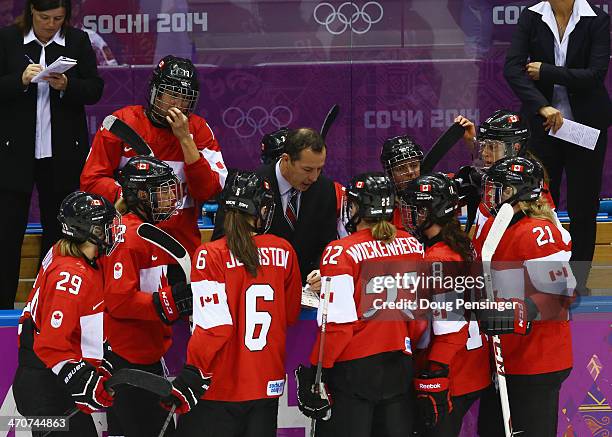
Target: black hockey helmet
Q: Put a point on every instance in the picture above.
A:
(373, 197)
(251, 194)
(401, 159)
(503, 134)
(174, 83)
(426, 200)
(273, 145)
(150, 188)
(525, 176)
(90, 217)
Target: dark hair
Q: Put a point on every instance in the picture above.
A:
(238, 229)
(457, 240)
(24, 21)
(303, 138)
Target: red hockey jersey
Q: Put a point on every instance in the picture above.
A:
(240, 321)
(201, 180)
(457, 343)
(66, 306)
(532, 260)
(135, 270)
(354, 328)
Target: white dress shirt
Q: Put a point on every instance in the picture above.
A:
(284, 188)
(43, 148)
(560, 99)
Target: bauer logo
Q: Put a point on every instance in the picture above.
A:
(276, 388)
(118, 270)
(56, 319)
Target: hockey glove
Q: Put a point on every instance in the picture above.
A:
(187, 389)
(315, 404)
(513, 320)
(86, 386)
(106, 368)
(173, 302)
(432, 395)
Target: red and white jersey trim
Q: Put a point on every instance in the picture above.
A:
(341, 307)
(210, 308)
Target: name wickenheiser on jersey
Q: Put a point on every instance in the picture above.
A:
(450, 305)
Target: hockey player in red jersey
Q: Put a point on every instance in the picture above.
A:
(176, 135)
(60, 330)
(246, 291)
(141, 303)
(367, 351)
(454, 368)
(401, 160)
(530, 267)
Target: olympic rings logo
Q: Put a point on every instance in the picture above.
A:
(348, 14)
(256, 120)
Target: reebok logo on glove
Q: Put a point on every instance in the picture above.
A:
(429, 386)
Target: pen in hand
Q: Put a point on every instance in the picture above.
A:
(29, 59)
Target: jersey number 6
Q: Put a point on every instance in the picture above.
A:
(255, 319)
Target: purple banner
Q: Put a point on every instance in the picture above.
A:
(584, 407)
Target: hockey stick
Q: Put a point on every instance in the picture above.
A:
(500, 224)
(166, 242)
(441, 147)
(167, 422)
(136, 378)
(318, 385)
(329, 119)
(125, 133)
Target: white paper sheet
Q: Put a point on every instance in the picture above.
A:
(577, 133)
(61, 65)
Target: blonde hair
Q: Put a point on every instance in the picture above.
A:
(538, 209)
(69, 248)
(382, 230)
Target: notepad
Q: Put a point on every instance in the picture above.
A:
(577, 133)
(61, 65)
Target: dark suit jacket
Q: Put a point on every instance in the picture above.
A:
(588, 57)
(316, 223)
(69, 136)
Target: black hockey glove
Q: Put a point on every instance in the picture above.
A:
(432, 394)
(315, 404)
(106, 367)
(516, 319)
(86, 386)
(173, 302)
(187, 389)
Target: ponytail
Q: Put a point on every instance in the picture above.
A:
(457, 240)
(238, 230)
(384, 231)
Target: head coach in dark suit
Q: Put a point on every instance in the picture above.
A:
(43, 129)
(305, 212)
(557, 65)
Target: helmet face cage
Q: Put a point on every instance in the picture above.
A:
(265, 213)
(492, 192)
(165, 96)
(413, 216)
(165, 199)
(113, 234)
(402, 171)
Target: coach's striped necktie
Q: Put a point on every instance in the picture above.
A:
(292, 208)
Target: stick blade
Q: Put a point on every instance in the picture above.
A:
(498, 228)
(139, 378)
(125, 133)
(329, 119)
(441, 147)
(166, 242)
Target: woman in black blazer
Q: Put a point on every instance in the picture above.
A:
(54, 161)
(575, 87)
